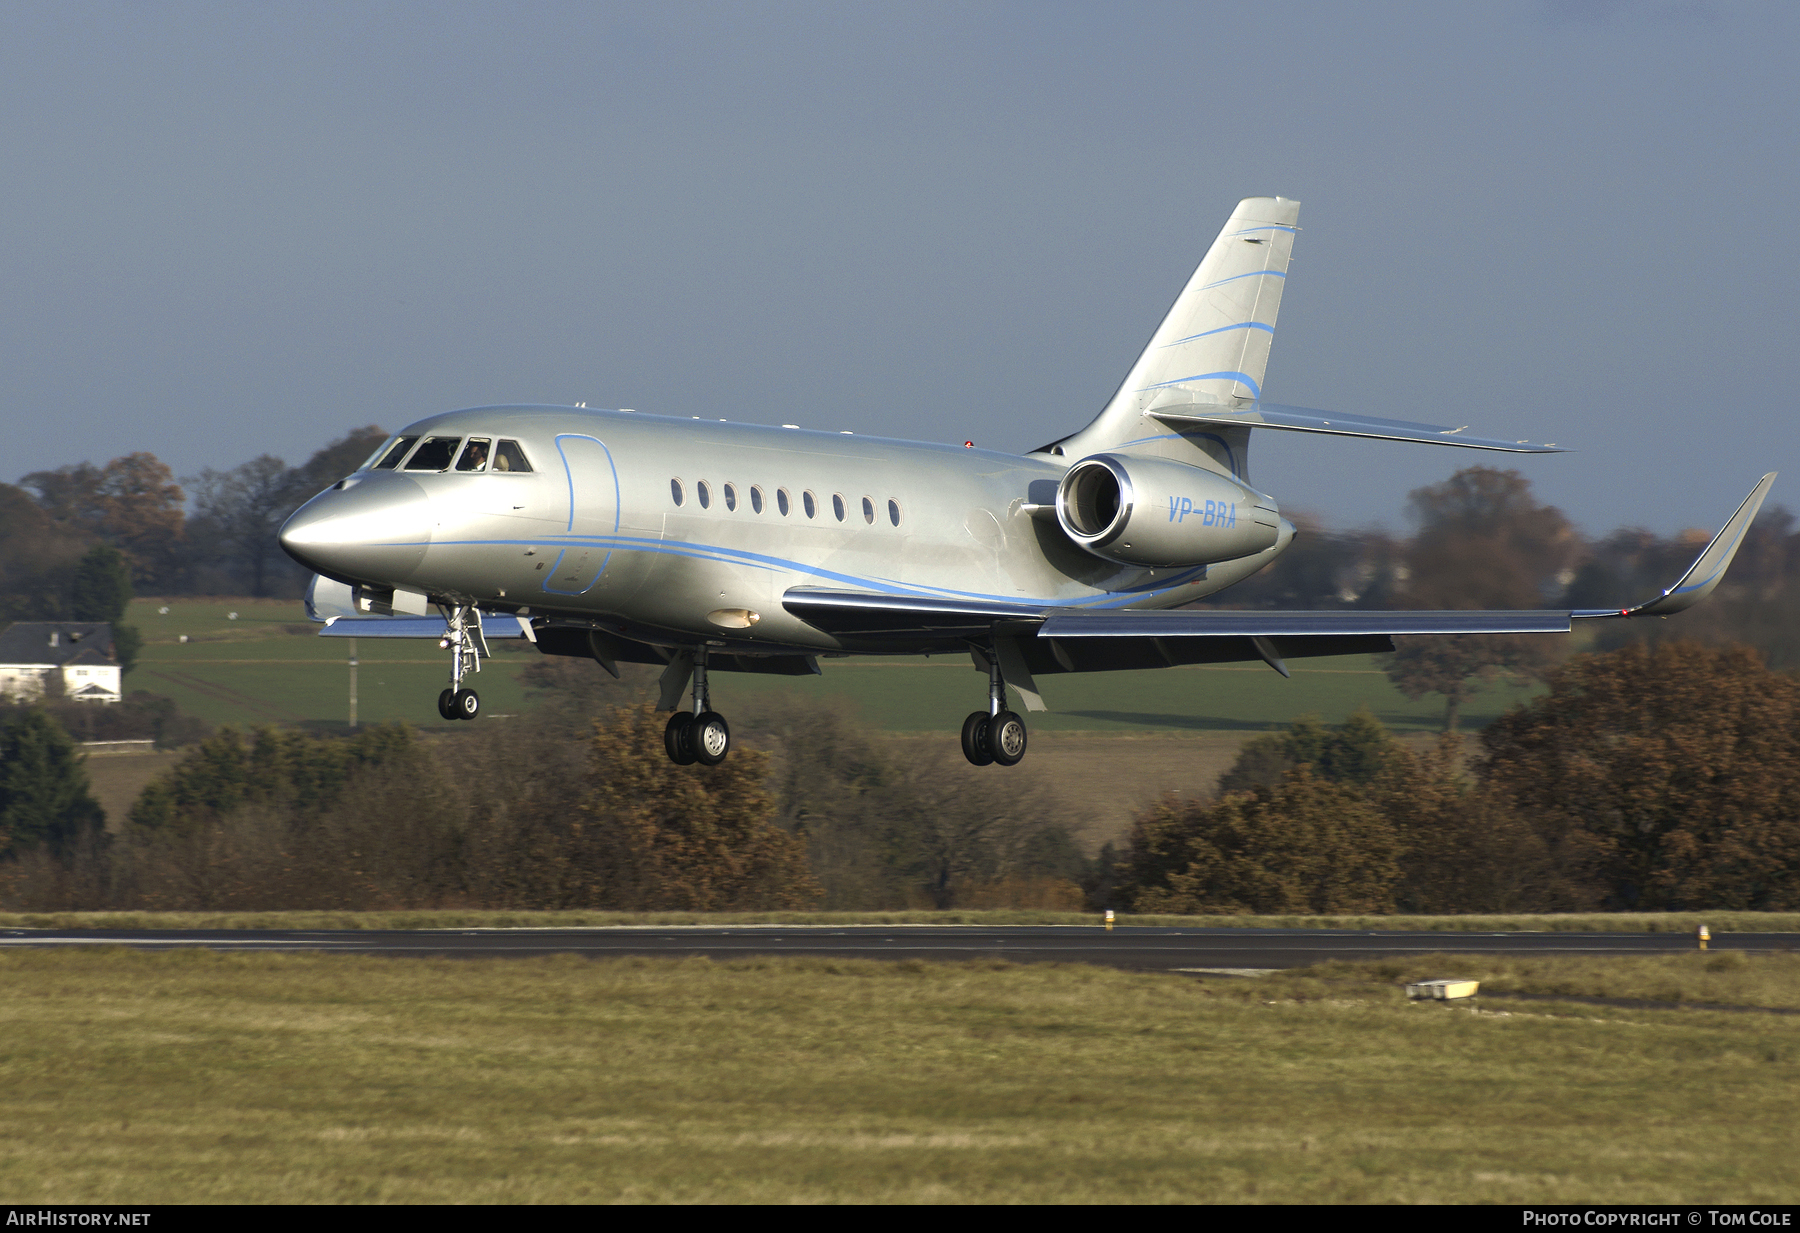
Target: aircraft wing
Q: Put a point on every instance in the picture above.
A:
(1236, 634)
(1338, 424)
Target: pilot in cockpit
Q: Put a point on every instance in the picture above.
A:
(474, 456)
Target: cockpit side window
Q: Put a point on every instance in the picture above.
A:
(434, 455)
(474, 455)
(395, 453)
(509, 457)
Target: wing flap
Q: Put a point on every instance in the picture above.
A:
(1250, 623)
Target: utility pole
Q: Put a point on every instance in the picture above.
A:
(352, 684)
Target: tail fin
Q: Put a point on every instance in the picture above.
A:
(1213, 346)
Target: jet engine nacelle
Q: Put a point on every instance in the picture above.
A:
(1149, 511)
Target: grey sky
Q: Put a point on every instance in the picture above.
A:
(238, 228)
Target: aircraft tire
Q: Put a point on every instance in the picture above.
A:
(444, 704)
(1006, 738)
(465, 704)
(975, 739)
(678, 739)
(711, 738)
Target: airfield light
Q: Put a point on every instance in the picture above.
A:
(968, 445)
(1109, 920)
(1704, 935)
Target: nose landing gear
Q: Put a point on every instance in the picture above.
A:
(462, 638)
(995, 735)
(701, 735)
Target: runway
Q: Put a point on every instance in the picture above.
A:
(1124, 947)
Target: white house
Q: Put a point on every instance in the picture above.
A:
(78, 654)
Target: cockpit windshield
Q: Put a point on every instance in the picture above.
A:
(394, 453)
(434, 455)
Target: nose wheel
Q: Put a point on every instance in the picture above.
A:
(700, 735)
(462, 638)
(996, 735)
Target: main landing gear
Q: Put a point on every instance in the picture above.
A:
(996, 734)
(462, 638)
(700, 735)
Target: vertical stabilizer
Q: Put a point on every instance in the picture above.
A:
(1213, 346)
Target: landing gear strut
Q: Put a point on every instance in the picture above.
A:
(462, 638)
(995, 735)
(701, 735)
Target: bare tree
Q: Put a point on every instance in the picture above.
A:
(242, 509)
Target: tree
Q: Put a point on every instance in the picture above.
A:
(1303, 845)
(44, 797)
(132, 503)
(242, 510)
(1484, 542)
(37, 559)
(225, 772)
(1355, 753)
(102, 586)
(686, 838)
(101, 591)
(1667, 776)
(1466, 848)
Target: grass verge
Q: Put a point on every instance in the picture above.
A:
(1594, 922)
(197, 1077)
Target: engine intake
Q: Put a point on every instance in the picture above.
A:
(1149, 511)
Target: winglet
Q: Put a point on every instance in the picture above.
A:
(1708, 568)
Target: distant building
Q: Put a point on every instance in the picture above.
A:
(78, 655)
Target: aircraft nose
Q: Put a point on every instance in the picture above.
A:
(376, 530)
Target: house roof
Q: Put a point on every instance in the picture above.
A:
(56, 642)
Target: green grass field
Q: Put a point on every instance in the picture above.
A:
(195, 1077)
(269, 666)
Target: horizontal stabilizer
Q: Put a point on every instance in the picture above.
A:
(1332, 423)
(1708, 569)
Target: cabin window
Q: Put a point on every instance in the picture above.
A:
(812, 506)
(731, 497)
(894, 512)
(781, 501)
(474, 455)
(703, 490)
(509, 457)
(837, 505)
(395, 453)
(868, 511)
(434, 455)
(756, 498)
(675, 490)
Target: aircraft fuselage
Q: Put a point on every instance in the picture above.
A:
(682, 529)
